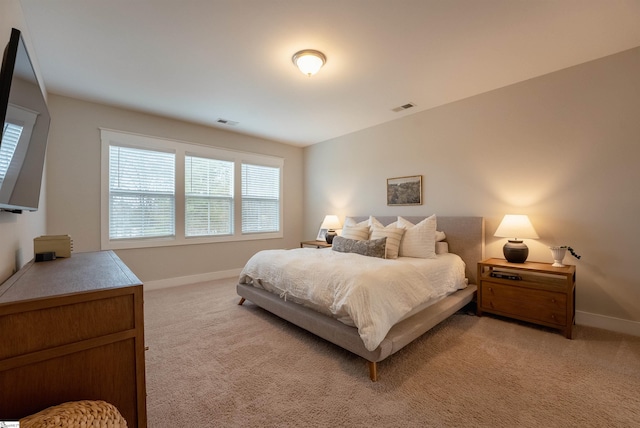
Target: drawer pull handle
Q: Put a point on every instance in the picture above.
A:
(553, 316)
(553, 300)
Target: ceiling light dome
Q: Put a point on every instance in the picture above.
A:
(309, 61)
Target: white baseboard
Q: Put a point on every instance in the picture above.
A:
(608, 323)
(191, 279)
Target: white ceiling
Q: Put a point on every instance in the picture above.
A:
(204, 60)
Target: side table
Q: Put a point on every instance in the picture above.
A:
(534, 292)
(317, 244)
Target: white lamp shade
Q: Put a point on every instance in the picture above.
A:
(309, 61)
(331, 222)
(516, 226)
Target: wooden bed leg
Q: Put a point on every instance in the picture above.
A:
(373, 371)
(241, 301)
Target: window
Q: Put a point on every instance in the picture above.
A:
(157, 192)
(209, 196)
(260, 198)
(141, 193)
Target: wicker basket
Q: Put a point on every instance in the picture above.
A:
(76, 414)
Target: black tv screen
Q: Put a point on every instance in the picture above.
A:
(25, 129)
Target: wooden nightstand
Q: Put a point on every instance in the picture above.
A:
(317, 244)
(543, 294)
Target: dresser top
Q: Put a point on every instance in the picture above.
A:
(82, 272)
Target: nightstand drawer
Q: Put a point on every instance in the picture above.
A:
(525, 303)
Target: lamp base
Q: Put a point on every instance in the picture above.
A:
(515, 251)
(330, 235)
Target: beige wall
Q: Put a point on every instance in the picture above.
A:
(17, 230)
(563, 148)
(73, 168)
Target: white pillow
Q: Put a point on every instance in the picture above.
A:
(350, 222)
(442, 247)
(375, 222)
(393, 235)
(360, 233)
(419, 239)
(440, 236)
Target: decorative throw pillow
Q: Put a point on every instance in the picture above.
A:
(350, 223)
(440, 236)
(355, 232)
(419, 239)
(393, 235)
(370, 248)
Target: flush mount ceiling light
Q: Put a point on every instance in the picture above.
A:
(309, 61)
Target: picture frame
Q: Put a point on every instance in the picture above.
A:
(404, 190)
(322, 235)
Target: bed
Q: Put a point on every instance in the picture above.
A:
(464, 237)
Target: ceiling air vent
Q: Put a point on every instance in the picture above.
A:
(403, 107)
(227, 122)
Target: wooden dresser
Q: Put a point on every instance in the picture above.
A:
(534, 292)
(72, 329)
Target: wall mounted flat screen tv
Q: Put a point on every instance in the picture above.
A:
(25, 129)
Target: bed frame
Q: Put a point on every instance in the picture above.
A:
(465, 236)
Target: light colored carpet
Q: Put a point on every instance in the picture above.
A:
(212, 363)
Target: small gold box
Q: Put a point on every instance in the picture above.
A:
(62, 245)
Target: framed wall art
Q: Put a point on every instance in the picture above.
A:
(404, 190)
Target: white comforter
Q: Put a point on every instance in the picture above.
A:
(369, 293)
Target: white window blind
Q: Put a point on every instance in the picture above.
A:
(208, 196)
(260, 198)
(10, 137)
(141, 193)
(157, 192)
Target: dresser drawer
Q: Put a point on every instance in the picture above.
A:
(58, 325)
(524, 303)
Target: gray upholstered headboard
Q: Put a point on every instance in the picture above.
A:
(465, 236)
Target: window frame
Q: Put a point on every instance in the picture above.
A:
(180, 148)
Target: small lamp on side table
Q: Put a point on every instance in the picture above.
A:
(516, 227)
(331, 223)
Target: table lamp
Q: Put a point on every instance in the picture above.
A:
(516, 227)
(331, 223)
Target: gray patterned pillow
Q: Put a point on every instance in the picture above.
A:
(371, 248)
